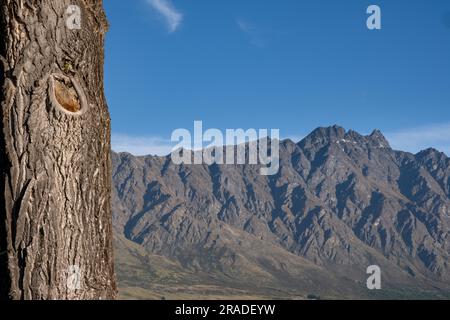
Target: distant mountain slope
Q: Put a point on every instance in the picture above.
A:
(340, 202)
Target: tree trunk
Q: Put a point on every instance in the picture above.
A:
(55, 214)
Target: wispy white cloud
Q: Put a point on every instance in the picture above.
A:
(141, 145)
(411, 139)
(245, 26)
(172, 16)
(416, 139)
(152, 145)
(252, 32)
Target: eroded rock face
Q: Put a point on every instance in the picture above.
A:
(341, 200)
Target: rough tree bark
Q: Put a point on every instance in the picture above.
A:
(55, 215)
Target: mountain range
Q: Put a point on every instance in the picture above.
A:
(340, 202)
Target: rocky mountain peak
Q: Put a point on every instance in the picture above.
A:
(430, 153)
(327, 133)
(323, 136)
(340, 201)
(379, 139)
(338, 135)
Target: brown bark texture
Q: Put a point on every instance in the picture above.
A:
(55, 214)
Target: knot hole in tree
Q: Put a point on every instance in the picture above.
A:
(67, 94)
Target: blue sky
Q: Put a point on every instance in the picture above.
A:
(288, 64)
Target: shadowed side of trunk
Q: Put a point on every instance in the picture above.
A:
(55, 233)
